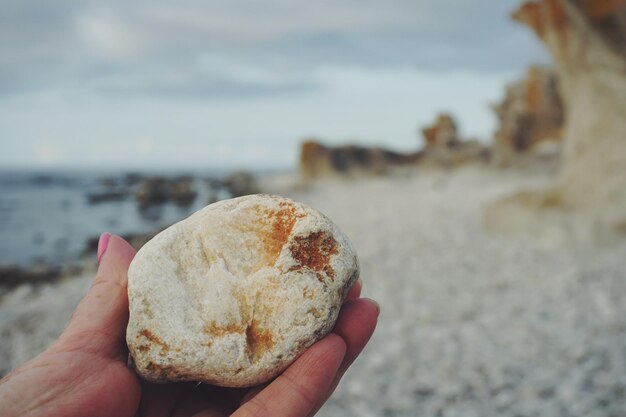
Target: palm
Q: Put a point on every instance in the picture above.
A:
(85, 372)
(188, 400)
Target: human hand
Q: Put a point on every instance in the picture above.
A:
(85, 373)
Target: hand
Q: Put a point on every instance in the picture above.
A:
(84, 373)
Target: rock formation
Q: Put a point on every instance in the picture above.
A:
(530, 116)
(444, 148)
(13, 275)
(158, 190)
(318, 160)
(241, 183)
(442, 134)
(587, 39)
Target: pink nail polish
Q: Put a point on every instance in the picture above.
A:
(103, 242)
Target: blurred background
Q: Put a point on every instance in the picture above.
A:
(475, 152)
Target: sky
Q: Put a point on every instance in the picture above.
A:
(239, 84)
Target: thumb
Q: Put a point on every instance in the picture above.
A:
(99, 322)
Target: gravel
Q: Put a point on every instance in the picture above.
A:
(471, 324)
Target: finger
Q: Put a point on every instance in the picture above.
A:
(354, 293)
(99, 322)
(303, 386)
(355, 325)
(355, 290)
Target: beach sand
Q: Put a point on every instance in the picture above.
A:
(471, 324)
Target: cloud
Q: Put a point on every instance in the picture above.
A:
(158, 49)
(108, 36)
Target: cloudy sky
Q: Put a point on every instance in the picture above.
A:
(218, 84)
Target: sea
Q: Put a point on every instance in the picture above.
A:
(47, 217)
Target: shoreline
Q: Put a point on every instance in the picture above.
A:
(470, 324)
(281, 182)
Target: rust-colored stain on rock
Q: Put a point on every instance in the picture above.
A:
(258, 341)
(602, 9)
(155, 340)
(556, 14)
(314, 252)
(281, 222)
(540, 15)
(268, 232)
(213, 329)
(531, 14)
(534, 93)
(307, 293)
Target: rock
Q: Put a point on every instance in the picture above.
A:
(158, 190)
(444, 148)
(13, 275)
(318, 160)
(241, 183)
(465, 152)
(587, 40)
(182, 190)
(153, 191)
(107, 195)
(530, 117)
(443, 133)
(236, 292)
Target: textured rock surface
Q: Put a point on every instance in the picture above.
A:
(233, 294)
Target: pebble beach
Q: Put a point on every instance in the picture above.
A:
(471, 324)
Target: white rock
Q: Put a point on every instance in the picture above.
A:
(235, 293)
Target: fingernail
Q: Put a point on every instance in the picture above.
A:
(103, 242)
(375, 304)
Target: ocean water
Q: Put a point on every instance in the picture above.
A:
(47, 217)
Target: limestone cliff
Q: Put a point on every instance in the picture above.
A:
(587, 39)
